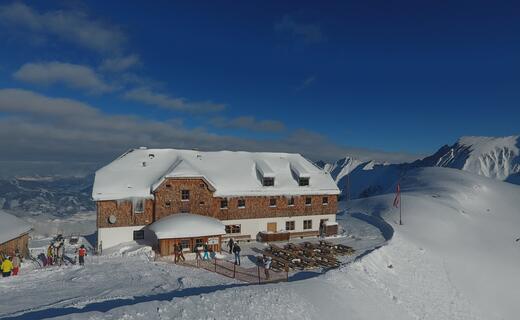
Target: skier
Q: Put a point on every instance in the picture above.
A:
(236, 251)
(82, 252)
(16, 264)
(267, 266)
(230, 244)
(7, 267)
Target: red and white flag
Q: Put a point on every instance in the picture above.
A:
(397, 199)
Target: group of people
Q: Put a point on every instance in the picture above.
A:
(56, 254)
(10, 265)
(178, 252)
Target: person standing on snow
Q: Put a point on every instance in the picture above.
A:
(230, 245)
(16, 264)
(206, 252)
(7, 267)
(82, 252)
(181, 254)
(236, 251)
(267, 266)
(49, 255)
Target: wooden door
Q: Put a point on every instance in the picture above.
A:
(271, 227)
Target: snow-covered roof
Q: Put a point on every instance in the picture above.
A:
(12, 227)
(299, 170)
(187, 225)
(231, 173)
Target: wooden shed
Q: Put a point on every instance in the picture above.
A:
(188, 230)
(14, 235)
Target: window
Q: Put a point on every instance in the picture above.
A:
(289, 225)
(290, 202)
(185, 195)
(325, 201)
(303, 182)
(223, 204)
(233, 228)
(201, 203)
(241, 203)
(168, 185)
(139, 206)
(268, 182)
(185, 244)
(308, 201)
(202, 185)
(199, 243)
(272, 202)
(307, 224)
(139, 235)
(167, 203)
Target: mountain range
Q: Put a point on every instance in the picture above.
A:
(492, 157)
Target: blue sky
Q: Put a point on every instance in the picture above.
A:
(372, 78)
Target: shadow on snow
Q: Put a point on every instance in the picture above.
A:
(104, 306)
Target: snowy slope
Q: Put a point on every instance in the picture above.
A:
(455, 257)
(493, 157)
(459, 232)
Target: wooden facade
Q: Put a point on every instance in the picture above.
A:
(20, 244)
(168, 200)
(166, 246)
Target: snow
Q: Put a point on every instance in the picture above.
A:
(229, 173)
(11, 227)
(493, 157)
(455, 257)
(187, 225)
(457, 245)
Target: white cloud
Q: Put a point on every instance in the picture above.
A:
(147, 96)
(120, 64)
(66, 130)
(248, 123)
(310, 33)
(72, 75)
(69, 25)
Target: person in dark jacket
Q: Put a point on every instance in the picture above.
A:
(236, 251)
(230, 244)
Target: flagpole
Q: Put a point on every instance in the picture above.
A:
(400, 205)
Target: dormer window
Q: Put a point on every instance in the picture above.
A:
(303, 182)
(265, 173)
(268, 182)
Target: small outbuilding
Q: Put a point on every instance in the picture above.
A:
(14, 235)
(188, 230)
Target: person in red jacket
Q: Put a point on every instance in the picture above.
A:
(82, 252)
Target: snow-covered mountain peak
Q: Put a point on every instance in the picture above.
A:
(492, 157)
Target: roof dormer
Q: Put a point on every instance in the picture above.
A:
(265, 173)
(300, 173)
